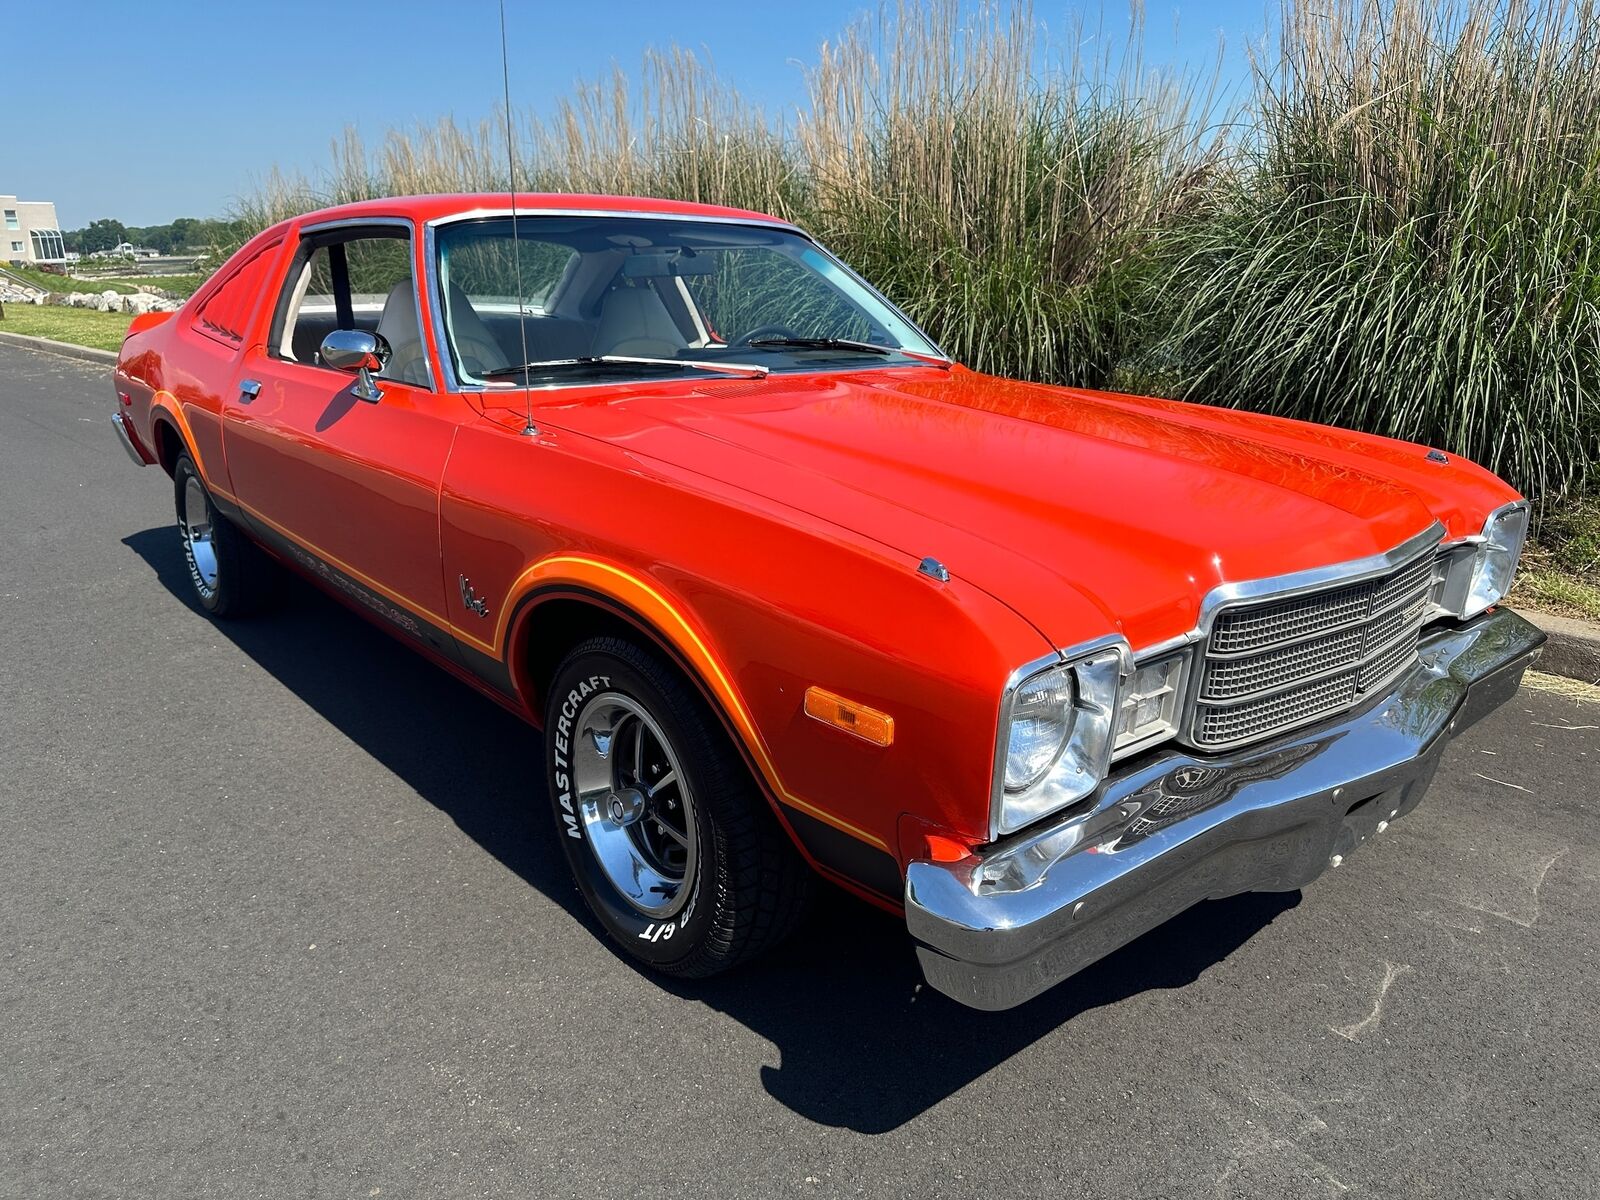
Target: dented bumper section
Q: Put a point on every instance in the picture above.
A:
(1163, 834)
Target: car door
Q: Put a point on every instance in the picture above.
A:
(348, 487)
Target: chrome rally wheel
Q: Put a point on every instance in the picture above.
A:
(637, 808)
(671, 842)
(197, 527)
(229, 574)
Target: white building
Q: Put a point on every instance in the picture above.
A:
(29, 232)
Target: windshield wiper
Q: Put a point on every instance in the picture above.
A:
(744, 370)
(831, 343)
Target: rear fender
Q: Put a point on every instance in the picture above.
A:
(164, 406)
(147, 321)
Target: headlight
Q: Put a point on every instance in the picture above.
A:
(1055, 736)
(1041, 721)
(1474, 576)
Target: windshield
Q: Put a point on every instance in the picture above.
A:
(555, 299)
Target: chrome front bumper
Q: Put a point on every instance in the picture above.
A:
(1180, 827)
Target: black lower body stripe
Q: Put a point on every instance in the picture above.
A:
(849, 856)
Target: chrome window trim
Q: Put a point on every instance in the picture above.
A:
(397, 222)
(447, 370)
(504, 210)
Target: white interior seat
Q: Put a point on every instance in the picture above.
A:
(633, 320)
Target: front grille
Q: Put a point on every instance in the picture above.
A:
(1256, 718)
(1274, 664)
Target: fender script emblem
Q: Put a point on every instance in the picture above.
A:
(471, 599)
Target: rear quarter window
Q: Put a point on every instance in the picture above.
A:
(224, 314)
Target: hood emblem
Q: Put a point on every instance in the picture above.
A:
(1438, 456)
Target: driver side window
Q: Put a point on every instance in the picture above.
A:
(355, 279)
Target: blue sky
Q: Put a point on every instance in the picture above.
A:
(219, 91)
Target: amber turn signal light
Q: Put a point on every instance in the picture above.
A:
(868, 724)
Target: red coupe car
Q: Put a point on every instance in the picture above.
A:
(791, 593)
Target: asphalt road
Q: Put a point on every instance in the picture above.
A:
(280, 916)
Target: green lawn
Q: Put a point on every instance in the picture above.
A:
(60, 283)
(1556, 592)
(80, 326)
(178, 285)
(1561, 573)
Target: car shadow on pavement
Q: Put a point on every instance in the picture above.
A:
(864, 1044)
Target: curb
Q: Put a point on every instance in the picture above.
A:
(65, 349)
(1573, 649)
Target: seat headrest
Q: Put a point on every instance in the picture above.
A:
(633, 320)
(398, 326)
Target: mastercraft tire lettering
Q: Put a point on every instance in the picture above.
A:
(229, 574)
(563, 749)
(670, 841)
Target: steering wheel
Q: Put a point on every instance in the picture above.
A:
(761, 331)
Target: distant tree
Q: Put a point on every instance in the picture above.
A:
(186, 235)
(103, 234)
(147, 235)
(186, 232)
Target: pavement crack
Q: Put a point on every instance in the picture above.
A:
(1351, 1033)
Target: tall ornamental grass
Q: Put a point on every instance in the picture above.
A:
(1408, 244)
(1393, 228)
(1013, 201)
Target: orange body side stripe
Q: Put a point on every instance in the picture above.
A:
(604, 578)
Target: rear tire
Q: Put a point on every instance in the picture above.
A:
(672, 844)
(229, 574)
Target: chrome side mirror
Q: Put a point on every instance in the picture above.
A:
(360, 352)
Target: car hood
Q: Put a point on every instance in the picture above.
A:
(1055, 500)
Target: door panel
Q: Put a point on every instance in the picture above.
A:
(353, 484)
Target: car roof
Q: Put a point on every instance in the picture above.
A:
(432, 208)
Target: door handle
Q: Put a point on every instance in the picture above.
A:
(249, 389)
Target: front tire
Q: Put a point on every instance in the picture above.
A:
(671, 842)
(230, 576)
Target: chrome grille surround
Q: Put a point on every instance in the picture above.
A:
(1277, 654)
